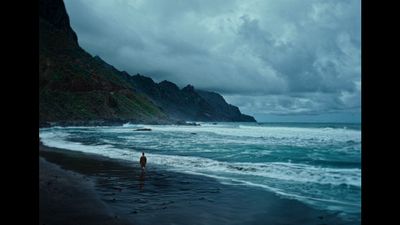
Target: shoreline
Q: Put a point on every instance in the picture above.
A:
(167, 197)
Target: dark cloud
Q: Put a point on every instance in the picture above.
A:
(268, 57)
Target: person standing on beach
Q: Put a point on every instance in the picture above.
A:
(143, 161)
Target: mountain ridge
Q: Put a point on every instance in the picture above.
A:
(75, 86)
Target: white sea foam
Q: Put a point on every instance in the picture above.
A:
(57, 139)
(280, 171)
(318, 134)
(239, 135)
(233, 181)
(275, 170)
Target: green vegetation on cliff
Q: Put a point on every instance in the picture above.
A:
(75, 86)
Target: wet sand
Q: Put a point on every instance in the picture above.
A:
(69, 198)
(91, 189)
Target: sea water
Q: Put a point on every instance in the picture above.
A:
(318, 164)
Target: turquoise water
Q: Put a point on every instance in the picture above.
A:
(318, 164)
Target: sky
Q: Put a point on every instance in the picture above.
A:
(277, 60)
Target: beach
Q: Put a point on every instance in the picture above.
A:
(66, 197)
(83, 188)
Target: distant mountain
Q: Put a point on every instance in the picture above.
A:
(188, 103)
(74, 86)
(222, 109)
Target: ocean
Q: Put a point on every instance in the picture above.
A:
(318, 164)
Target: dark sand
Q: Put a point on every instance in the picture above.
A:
(100, 190)
(70, 198)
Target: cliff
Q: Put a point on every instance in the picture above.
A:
(74, 86)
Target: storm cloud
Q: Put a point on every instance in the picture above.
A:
(269, 57)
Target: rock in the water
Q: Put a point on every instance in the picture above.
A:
(143, 129)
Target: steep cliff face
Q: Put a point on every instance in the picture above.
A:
(188, 103)
(54, 13)
(225, 111)
(74, 86)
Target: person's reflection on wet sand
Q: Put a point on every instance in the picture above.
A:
(141, 180)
